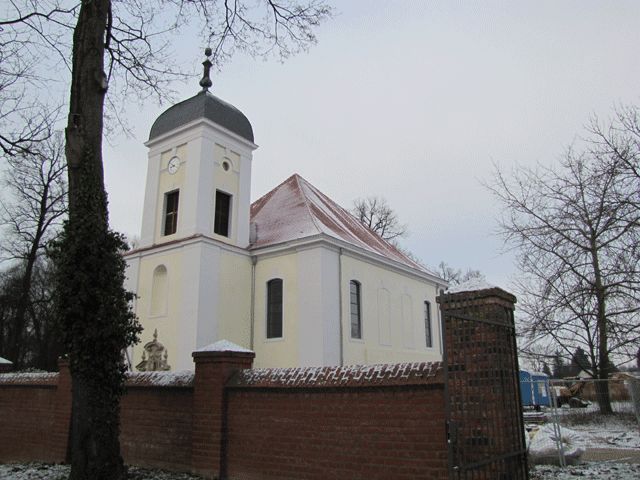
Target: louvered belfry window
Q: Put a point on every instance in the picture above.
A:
(171, 212)
(222, 214)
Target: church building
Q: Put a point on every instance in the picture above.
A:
(293, 276)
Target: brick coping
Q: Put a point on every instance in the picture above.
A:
(400, 374)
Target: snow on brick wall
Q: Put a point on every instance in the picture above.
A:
(349, 376)
(28, 378)
(182, 378)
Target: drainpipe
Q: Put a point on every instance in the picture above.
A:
(254, 260)
(440, 291)
(340, 307)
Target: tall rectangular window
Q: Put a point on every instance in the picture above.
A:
(356, 314)
(222, 214)
(274, 308)
(171, 212)
(427, 325)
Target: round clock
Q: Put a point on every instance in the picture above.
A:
(173, 165)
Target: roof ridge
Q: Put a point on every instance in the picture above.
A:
(306, 200)
(358, 223)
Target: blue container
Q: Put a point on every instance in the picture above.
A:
(534, 389)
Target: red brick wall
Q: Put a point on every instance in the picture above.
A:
(26, 421)
(35, 411)
(156, 427)
(335, 423)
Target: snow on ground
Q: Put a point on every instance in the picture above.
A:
(609, 433)
(604, 434)
(596, 471)
(598, 431)
(41, 471)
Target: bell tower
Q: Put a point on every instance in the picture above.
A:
(192, 270)
(199, 171)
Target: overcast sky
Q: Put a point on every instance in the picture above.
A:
(414, 101)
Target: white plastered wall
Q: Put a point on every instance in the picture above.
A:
(234, 293)
(277, 352)
(393, 324)
(319, 319)
(169, 328)
(311, 314)
(208, 298)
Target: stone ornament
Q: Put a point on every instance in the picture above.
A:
(154, 356)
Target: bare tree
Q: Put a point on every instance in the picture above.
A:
(119, 51)
(456, 276)
(25, 119)
(576, 230)
(31, 214)
(40, 340)
(618, 143)
(375, 213)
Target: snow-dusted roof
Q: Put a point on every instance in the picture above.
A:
(5, 361)
(295, 209)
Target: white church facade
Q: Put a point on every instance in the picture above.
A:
(293, 276)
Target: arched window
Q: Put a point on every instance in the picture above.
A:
(356, 309)
(159, 291)
(427, 325)
(274, 308)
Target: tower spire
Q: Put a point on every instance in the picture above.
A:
(205, 82)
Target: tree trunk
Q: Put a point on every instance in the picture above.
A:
(94, 357)
(604, 365)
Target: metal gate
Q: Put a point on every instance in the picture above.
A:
(484, 413)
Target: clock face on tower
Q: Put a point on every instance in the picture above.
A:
(174, 165)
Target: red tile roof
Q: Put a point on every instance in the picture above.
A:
(295, 209)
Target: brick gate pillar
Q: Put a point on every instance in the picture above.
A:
(482, 384)
(59, 438)
(214, 365)
(492, 303)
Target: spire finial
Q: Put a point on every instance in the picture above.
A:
(155, 335)
(205, 83)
